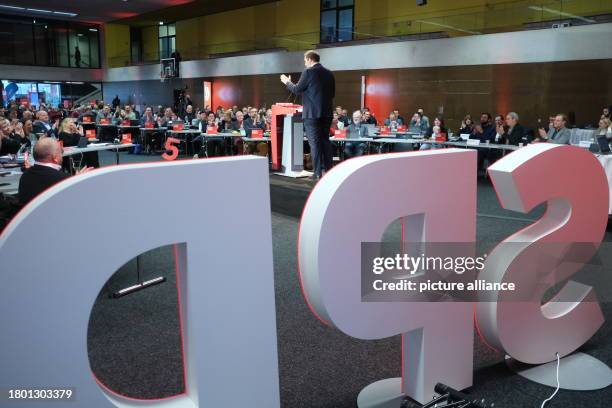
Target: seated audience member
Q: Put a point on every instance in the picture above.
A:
(214, 145)
(512, 132)
(253, 122)
(190, 116)
(151, 139)
(89, 113)
(28, 130)
(120, 117)
(424, 118)
(442, 132)
(392, 121)
(227, 124)
(268, 119)
(399, 117)
(605, 113)
(27, 115)
(342, 116)
(467, 126)
(129, 113)
(356, 130)
(24, 136)
(335, 124)
(211, 121)
(105, 113)
(136, 113)
(368, 118)
(10, 142)
(417, 125)
(148, 119)
(558, 133)
(42, 125)
(604, 128)
(485, 132)
(46, 171)
(168, 116)
(70, 135)
(436, 132)
(236, 143)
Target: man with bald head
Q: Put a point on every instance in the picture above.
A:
(46, 171)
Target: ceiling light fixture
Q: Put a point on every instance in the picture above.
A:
(161, 23)
(64, 13)
(37, 11)
(12, 7)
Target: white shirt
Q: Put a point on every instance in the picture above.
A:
(52, 165)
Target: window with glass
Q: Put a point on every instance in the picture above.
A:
(337, 20)
(32, 41)
(51, 93)
(167, 40)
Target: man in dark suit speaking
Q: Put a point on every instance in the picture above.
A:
(318, 88)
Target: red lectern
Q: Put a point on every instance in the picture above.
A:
(279, 111)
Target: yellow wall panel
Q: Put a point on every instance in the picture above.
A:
(117, 45)
(295, 24)
(150, 43)
(188, 38)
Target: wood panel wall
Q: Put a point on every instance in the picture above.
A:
(532, 90)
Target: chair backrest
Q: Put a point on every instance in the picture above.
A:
(579, 135)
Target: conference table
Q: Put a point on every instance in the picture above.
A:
(9, 181)
(606, 163)
(97, 147)
(184, 135)
(9, 178)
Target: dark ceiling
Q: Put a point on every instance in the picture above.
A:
(193, 9)
(134, 12)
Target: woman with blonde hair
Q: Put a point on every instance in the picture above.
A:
(604, 128)
(70, 134)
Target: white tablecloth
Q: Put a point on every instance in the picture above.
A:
(606, 162)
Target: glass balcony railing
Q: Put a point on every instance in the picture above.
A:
(492, 18)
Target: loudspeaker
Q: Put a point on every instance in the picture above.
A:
(421, 2)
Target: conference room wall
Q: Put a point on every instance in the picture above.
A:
(532, 90)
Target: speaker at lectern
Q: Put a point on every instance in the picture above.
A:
(287, 140)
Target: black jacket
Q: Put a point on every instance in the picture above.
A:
(518, 135)
(227, 126)
(249, 125)
(12, 144)
(39, 127)
(69, 139)
(37, 179)
(318, 89)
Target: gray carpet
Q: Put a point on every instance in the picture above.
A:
(134, 342)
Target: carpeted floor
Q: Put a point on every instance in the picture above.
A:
(134, 341)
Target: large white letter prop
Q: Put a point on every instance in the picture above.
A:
(355, 203)
(573, 185)
(52, 273)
